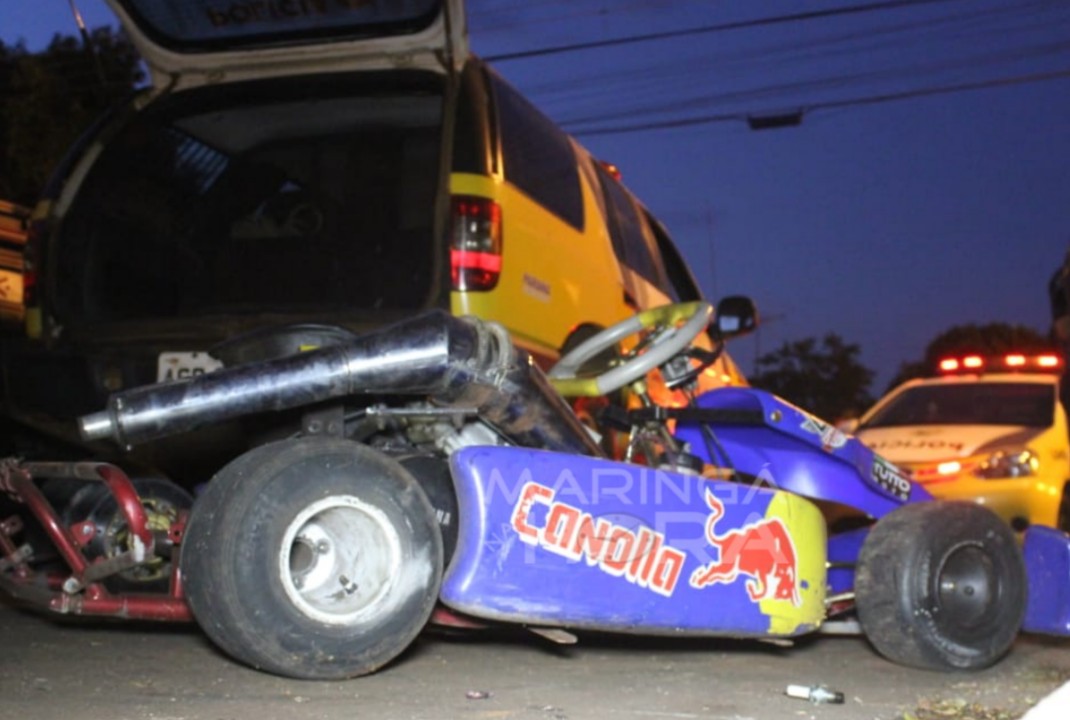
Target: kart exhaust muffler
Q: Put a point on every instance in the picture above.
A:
(455, 362)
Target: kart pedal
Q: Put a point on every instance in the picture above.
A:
(556, 635)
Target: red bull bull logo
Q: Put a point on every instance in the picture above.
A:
(762, 551)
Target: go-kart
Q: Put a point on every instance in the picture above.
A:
(435, 474)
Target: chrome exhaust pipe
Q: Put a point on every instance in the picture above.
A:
(455, 362)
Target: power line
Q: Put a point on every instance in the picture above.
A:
(643, 88)
(720, 27)
(478, 15)
(765, 92)
(831, 104)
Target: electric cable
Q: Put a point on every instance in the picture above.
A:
(720, 27)
(828, 105)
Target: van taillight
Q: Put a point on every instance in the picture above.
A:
(29, 287)
(31, 262)
(475, 243)
(30, 258)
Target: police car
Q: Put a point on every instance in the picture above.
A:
(987, 429)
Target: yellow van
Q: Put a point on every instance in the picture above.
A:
(344, 165)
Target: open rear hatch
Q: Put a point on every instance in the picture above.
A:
(187, 43)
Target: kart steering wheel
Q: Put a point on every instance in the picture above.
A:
(673, 328)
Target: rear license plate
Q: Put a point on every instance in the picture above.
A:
(184, 365)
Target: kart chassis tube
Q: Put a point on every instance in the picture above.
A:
(462, 363)
(80, 593)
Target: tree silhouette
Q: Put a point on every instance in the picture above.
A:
(826, 379)
(48, 99)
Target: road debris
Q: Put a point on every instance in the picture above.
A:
(817, 694)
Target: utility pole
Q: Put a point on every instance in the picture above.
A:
(87, 45)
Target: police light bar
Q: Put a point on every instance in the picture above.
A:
(1012, 362)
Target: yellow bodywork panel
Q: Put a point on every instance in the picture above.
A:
(807, 529)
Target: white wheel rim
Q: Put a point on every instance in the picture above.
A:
(339, 559)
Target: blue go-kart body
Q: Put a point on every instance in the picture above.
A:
(550, 539)
(485, 498)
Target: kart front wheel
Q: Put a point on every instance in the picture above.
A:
(941, 585)
(313, 558)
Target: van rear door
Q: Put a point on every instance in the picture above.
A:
(187, 43)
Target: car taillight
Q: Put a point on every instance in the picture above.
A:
(30, 257)
(31, 261)
(29, 285)
(475, 243)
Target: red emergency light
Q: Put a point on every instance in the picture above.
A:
(1013, 362)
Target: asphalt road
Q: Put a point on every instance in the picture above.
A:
(93, 670)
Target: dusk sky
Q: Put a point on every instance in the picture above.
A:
(897, 208)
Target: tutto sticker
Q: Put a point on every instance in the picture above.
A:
(641, 556)
(889, 478)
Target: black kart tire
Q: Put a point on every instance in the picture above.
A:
(313, 558)
(941, 586)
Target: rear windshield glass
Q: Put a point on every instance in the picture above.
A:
(1028, 404)
(225, 202)
(192, 25)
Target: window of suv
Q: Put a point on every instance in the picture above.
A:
(681, 287)
(626, 231)
(538, 157)
(260, 199)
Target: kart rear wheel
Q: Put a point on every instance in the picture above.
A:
(941, 585)
(313, 558)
